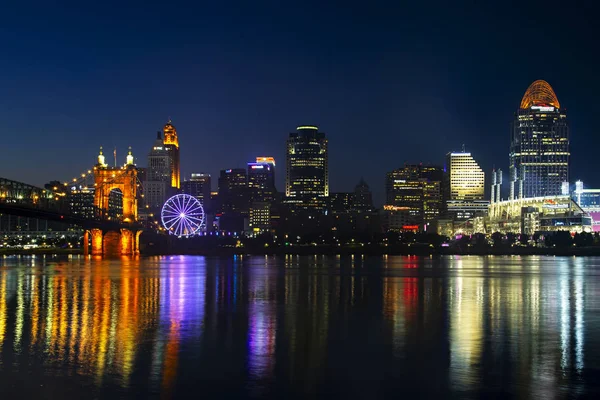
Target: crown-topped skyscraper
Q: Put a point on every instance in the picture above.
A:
(171, 143)
(539, 145)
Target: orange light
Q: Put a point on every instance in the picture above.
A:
(539, 92)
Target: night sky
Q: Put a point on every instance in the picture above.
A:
(387, 83)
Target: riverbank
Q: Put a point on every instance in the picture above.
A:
(383, 250)
(334, 250)
(61, 251)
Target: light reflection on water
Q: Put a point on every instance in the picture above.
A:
(256, 326)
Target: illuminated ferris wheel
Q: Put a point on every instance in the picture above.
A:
(182, 215)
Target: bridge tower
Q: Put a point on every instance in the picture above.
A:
(124, 240)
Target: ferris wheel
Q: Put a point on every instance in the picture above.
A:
(182, 215)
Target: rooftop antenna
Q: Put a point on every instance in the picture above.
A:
(115, 154)
(463, 148)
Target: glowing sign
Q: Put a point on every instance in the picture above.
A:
(257, 167)
(556, 205)
(411, 227)
(394, 208)
(227, 171)
(542, 108)
(266, 160)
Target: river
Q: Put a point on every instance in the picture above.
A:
(300, 327)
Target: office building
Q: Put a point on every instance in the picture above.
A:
(261, 179)
(539, 145)
(260, 217)
(363, 198)
(413, 195)
(199, 186)
(171, 145)
(307, 174)
(158, 176)
(81, 202)
(233, 193)
(465, 187)
(496, 186)
(466, 180)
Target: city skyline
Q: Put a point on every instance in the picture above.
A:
(412, 92)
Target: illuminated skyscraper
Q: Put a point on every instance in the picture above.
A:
(171, 144)
(416, 192)
(261, 179)
(307, 174)
(466, 180)
(539, 146)
(465, 186)
(158, 175)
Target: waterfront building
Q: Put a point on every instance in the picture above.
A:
(363, 198)
(465, 187)
(414, 195)
(261, 179)
(199, 186)
(171, 145)
(157, 185)
(307, 173)
(233, 191)
(538, 214)
(81, 202)
(260, 217)
(496, 185)
(539, 146)
(589, 201)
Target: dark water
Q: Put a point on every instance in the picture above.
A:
(300, 327)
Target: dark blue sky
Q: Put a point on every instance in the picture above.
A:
(388, 83)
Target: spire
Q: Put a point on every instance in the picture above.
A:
(129, 157)
(101, 158)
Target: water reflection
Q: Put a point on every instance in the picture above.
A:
(268, 327)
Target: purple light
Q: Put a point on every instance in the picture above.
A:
(182, 215)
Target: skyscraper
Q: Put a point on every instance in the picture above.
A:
(233, 193)
(539, 145)
(307, 174)
(466, 180)
(158, 175)
(416, 192)
(199, 186)
(261, 180)
(465, 186)
(171, 144)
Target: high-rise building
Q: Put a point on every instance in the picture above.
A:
(81, 202)
(363, 198)
(233, 191)
(496, 185)
(415, 191)
(158, 176)
(539, 145)
(465, 186)
(466, 180)
(199, 186)
(260, 216)
(307, 174)
(261, 179)
(171, 144)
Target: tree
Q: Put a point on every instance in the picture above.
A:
(497, 239)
